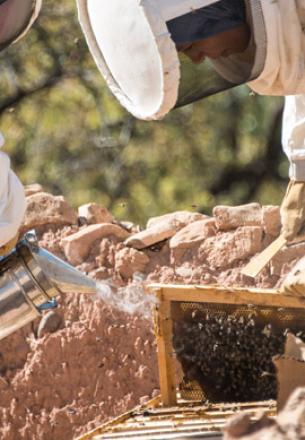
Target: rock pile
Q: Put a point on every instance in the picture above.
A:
(62, 377)
(183, 246)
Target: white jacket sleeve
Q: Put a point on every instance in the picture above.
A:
(12, 200)
(293, 135)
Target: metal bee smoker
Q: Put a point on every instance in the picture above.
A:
(30, 280)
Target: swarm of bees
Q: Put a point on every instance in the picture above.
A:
(229, 356)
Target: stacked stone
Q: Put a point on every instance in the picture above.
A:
(182, 247)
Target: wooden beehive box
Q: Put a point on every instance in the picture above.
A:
(182, 412)
(176, 303)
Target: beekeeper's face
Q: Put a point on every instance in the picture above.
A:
(220, 45)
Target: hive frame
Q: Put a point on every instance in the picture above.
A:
(154, 422)
(168, 294)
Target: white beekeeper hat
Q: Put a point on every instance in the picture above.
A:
(134, 45)
(16, 18)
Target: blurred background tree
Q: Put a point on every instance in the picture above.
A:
(66, 131)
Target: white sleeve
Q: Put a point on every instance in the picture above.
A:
(12, 199)
(293, 135)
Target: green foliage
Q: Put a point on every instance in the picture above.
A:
(65, 130)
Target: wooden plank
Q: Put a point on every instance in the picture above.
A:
(258, 263)
(188, 409)
(170, 425)
(192, 417)
(220, 295)
(164, 335)
(190, 287)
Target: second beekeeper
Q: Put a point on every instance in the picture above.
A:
(156, 55)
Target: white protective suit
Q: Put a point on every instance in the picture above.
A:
(12, 200)
(141, 63)
(284, 74)
(16, 18)
(293, 135)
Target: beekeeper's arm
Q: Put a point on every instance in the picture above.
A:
(293, 205)
(16, 18)
(12, 203)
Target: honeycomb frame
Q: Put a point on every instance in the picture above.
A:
(269, 303)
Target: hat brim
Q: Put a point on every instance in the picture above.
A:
(134, 52)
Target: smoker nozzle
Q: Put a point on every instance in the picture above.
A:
(64, 277)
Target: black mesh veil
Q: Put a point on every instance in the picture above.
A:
(210, 77)
(195, 31)
(199, 81)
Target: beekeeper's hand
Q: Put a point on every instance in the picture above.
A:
(6, 248)
(293, 212)
(294, 283)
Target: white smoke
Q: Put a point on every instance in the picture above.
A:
(132, 299)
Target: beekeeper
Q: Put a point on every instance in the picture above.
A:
(156, 55)
(16, 18)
